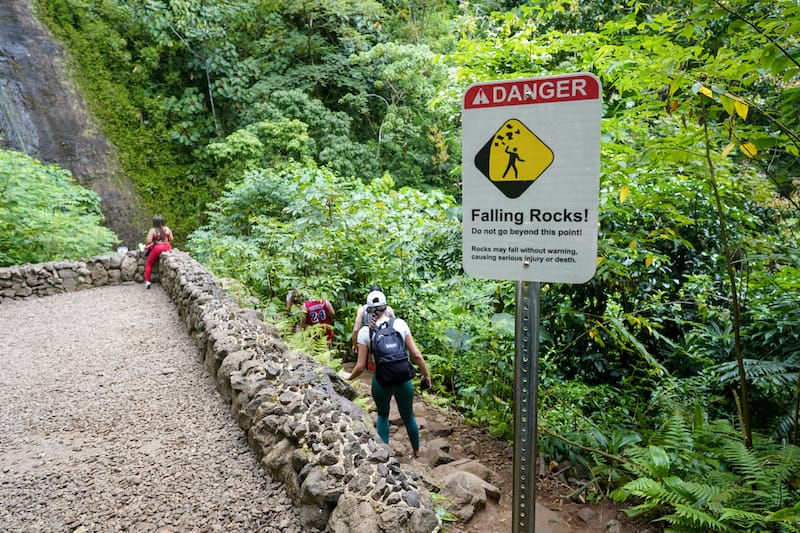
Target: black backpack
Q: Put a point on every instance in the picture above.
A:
(391, 357)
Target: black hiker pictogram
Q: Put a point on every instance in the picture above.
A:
(513, 157)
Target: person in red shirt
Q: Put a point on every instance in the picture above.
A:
(159, 240)
(319, 312)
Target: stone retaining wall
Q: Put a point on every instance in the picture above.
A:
(44, 279)
(297, 413)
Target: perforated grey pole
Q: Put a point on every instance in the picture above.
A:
(526, 385)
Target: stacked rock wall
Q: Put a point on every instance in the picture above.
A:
(44, 279)
(297, 413)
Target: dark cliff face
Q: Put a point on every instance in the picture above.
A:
(43, 115)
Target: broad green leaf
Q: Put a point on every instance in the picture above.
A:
(661, 461)
(727, 103)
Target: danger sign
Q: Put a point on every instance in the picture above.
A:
(531, 173)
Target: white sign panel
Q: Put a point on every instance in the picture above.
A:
(531, 178)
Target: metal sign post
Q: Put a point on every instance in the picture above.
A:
(526, 380)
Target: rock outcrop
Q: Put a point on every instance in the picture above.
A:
(43, 115)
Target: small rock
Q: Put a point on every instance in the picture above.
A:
(586, 514)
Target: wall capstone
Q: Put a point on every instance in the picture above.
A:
(298, 414)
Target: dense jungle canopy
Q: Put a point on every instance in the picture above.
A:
(316, 145)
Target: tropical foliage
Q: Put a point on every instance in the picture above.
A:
(317, 145)
(45, 214)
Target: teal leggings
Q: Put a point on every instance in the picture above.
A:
(404, 394)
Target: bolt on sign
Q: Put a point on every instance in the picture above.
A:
(531, 178)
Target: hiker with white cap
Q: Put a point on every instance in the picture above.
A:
(362, 318)
(393, 347)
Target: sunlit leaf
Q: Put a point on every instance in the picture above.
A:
(727, 149)
(648, 261)
(741, 108)
(623, 193)
(749, 149)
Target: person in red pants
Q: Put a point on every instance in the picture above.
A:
(158, 241)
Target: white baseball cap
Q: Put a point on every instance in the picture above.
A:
(376, 299)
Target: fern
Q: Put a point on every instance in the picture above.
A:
(675, 435)
(654, 492)
(742, 519)
(760, 372)
(789, 516)
(744, 462)
(690, 520)
(704, 479)
(698, 494)
(763, 474)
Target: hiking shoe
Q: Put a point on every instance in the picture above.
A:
(147, 284)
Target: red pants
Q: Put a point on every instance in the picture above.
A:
(152, 257)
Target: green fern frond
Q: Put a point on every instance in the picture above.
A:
(765, 475)
(310, 340)
(675, 435)
(650, 489)
(781, 373)
(717, 432)
(744, 461)
(788, 515)
(788, 456)
(693, 520)
(723, 428)
(705, 480)
(786, 425)
(742, 519)
(694, 494)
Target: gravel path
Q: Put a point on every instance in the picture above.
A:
(109, 422)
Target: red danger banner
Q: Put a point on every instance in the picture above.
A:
(538, 91)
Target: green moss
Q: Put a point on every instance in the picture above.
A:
(115, 86)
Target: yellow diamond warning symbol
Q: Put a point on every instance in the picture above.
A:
(513, 158)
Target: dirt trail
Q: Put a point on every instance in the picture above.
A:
(554, 513)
